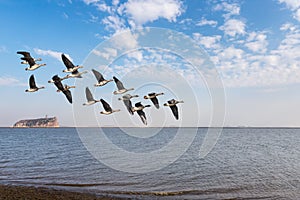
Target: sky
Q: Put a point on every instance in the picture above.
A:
(252, 47)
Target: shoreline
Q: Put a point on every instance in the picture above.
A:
(14, 192)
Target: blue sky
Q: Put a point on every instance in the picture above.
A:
(253, 44)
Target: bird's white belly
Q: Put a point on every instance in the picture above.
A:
(105, 113)
(33, 67)
(120, 91)
(31, 90)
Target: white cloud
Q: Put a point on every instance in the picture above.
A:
(114, 23)
(107, 53)
(204, 22)
(230, 9)
(88, 2)
(125, 40)
(231, 53)
(280, 66)
(209, 42)
(136, 13)
(115, 2)
(187, 21)
(233, 27)
(54, 54)
(291, 4)
(10, 81)
(145, 11)
(103, 7)
(138, 55)
(257, 42)
(297, 15)
(294, 6)
(288, 27)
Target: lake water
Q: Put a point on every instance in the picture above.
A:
(245, 163)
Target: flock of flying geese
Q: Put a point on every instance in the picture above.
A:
(73, 72)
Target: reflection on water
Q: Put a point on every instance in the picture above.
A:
(245, 163)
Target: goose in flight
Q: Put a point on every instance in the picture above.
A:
(107, 109)
(60, 87)
(172, 104)
(89, 97)
(153, 98)
(138, 107)
(52, 81)
(32, 85)
(120, 86)
(66, 87)
(100, 79)
(27, 59)
(69, 65)
(27, 56)
(75, 74)
(126, 100)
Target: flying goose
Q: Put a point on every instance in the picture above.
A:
(172, 104)
(27, 56)
(139, 109)
(89, 97)
(126, 100)
(52, 81)
(153, 98)
(69, 65)
(66, 87)
(100, 79)
(107, 108)
(32, 85)
(120, 86)
(60, 87)
(75, 74)
(27, 59)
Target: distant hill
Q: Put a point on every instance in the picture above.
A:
(47, 122)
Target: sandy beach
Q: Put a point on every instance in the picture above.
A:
(9, 192)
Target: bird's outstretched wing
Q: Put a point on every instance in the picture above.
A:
(98, 75)
(25, 54)
(88, 94)
(128, 105)
(67, 62)
(142, 115)
(138, 104)
(119, 84)
(155, 102)
(68, 94)
(27, 57)
(57, 82)
(174, 111)
(106, 106)
(32, 82)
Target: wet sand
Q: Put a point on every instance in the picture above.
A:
(8, 192)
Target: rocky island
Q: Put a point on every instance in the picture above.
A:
(47, 122)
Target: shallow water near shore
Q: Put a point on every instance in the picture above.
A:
(255, 163)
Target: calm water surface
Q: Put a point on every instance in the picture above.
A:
(244, 164)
